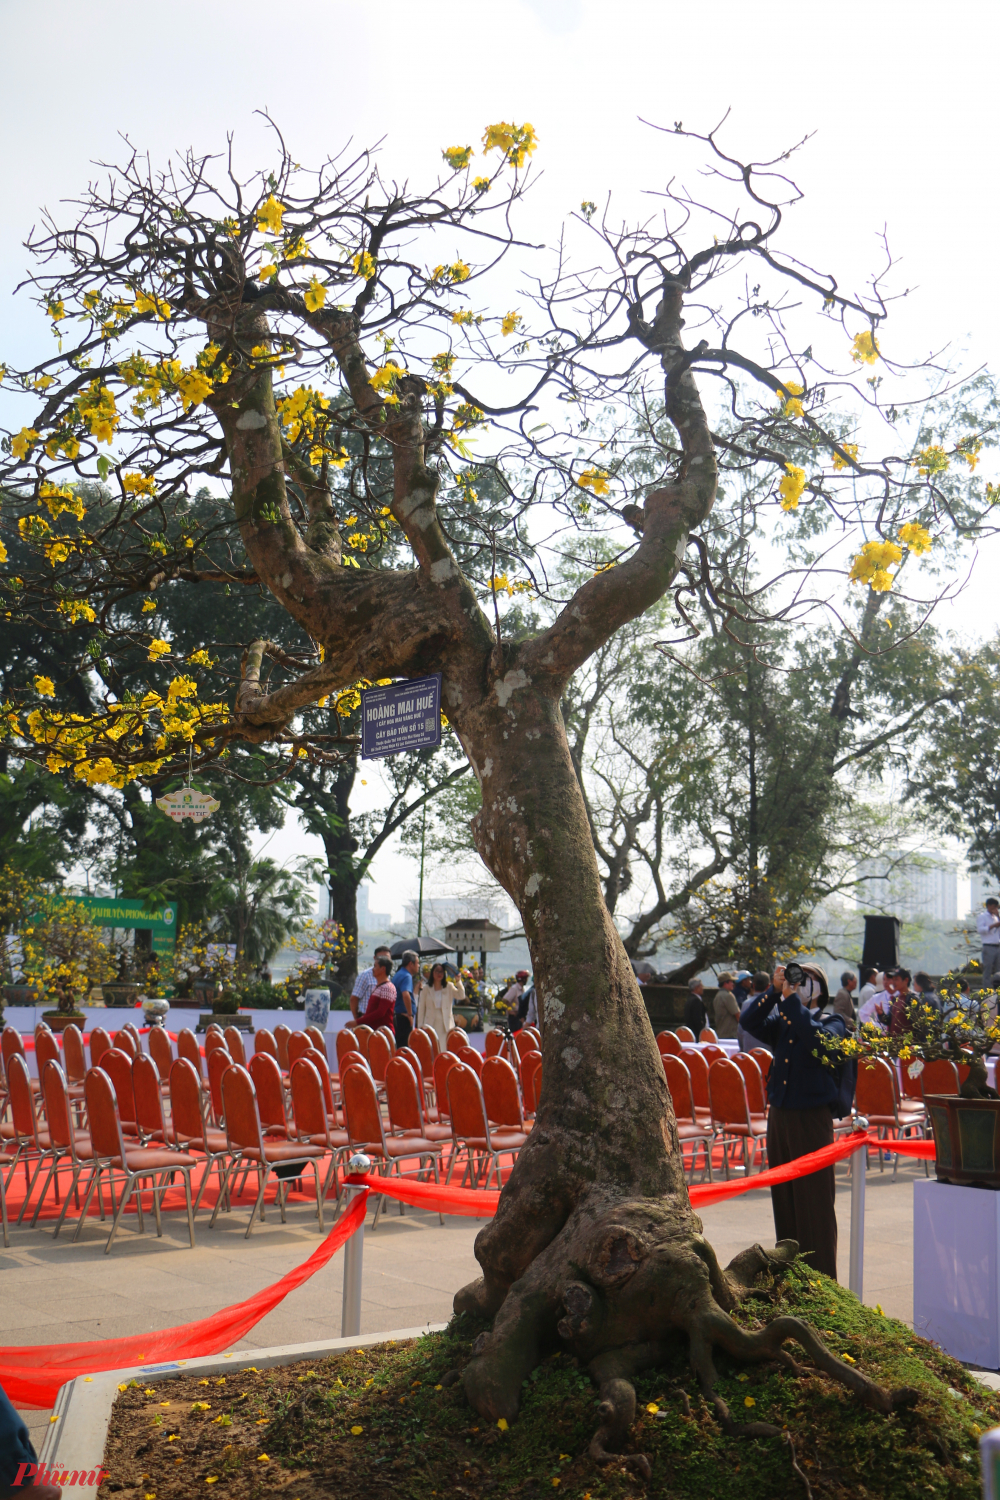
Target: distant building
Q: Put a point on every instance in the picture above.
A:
(909, 884)
(370, 921)
(982, 886)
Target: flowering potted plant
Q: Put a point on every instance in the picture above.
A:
(64, 956)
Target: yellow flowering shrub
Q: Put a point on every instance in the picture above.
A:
(269, 215)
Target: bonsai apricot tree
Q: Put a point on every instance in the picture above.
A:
(297, 382)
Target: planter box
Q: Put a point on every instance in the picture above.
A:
(209, 1018)
(966, 1139)
(77, 1439)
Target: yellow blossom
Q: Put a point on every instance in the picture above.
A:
(363, 265)
(315, 295)
(865, 350)
(501, 1423)
(158, 648)
(969, 448)
(792, 485)
(296, 249)
(464, 317)
(595, 480)
(266, 272)
(201, 659)
(791, 391)
(45, 687)
(138, 484)
(148, 605)
(149, 302)
(516, 141)
(481, 184)
(56, 311)
(932, 460)
(22, 442)
(457, 271)
(457, 157)
(510, 323)
(386, 376)
(357, 1431)
(851, 449)
(76, 609)
(193, 386)
(749, 1401)
(872, 563)
(916, 537)
(269, 215)
(58, 499)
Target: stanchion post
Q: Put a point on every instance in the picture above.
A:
(350, 1318)
(859, 1169)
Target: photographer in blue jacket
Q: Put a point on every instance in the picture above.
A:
(804, 1095)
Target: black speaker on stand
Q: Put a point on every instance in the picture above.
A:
(881, 950)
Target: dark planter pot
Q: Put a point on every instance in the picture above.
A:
(21, 994)
(966, 1140)
(58, 1020)
(224, 1019)
(120, 994)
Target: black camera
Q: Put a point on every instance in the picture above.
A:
(794, 974)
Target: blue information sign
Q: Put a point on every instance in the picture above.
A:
(405, 716)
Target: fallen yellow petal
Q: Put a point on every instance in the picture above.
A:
(502, 1424)
(262, 1458)
(53, 1419)
(357, 1431)
(652, 1408)
(749, 1401)
(212, 1479)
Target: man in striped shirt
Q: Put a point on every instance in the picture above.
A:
(381, 1005)
(363, 986)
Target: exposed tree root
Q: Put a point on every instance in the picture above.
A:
(612, 1289)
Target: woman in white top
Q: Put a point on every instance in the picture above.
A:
(434, 1005)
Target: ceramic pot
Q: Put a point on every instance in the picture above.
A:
(316, 1004)
(966, 1139)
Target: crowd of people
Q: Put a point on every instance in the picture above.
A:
(407, 998)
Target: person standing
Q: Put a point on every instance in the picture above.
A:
(437, 996)
(381, 1004)
(512, 999)
(403, 982)
(925, 987)
(761, 983)
(802, 1093)
(695, 1013)
(843, 1002)
(988, 927)
(362, 988)
(726, 1007)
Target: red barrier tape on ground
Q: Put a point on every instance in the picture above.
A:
(32, 1376)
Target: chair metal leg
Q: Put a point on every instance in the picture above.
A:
(3, 1214)
(157, 1192)
(222, 1193)
(41, 1196)
(128, 1187)
(319, 1196)
(94, 1179)
(31, 1185)
(74, 1190)
(263, 1173)
(187, 1199)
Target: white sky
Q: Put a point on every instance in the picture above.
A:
(901, 97)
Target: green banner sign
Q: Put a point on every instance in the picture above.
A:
(114, 911)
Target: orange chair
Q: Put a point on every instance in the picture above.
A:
(530, 1064)
(502, 1096)
(46, 1051)
(428, 1111)
(456, 1039)
(187, 1047)
(379, 1055)
(214, 1039)
(65, 1142)
(12, 1045)
(711, 1053)
(282, 1036)
(162, 1054)
(876, 1098)
(74, 1058)
(534, 1031)
(351, 1057)
(23, 1142)
(298, 1043)
(117, 1064)
(133, 1032)
(939, 1077)
(698, 1069)
(214, 1029)
(233, 1038)
(318, 1038)
(249, 1148)
(685, 1035)
(367, 1133)
(443, 1064)
(219, 1062)
(319, 1062)
(731, 1117)
(312, 1119)
(270, 1093)
(187, 1129)
(496, 1043)
(432, 1037)
(471, 1058)
(390, 1038)
(407, 1114)
(525, 1041)
(708, 1035)
(41, 1026)
(471, 1130)
(133, 1164)
(100, 1042)
(148, 1100)
(754, 1080)
(690, 1129)
(421, 1043)
(362, 1036)
(668, 1043)
(764, 1060)
(125, 1042)
(264, 1042)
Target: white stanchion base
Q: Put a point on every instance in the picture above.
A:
(956, 1270)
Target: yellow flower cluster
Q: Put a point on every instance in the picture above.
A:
(595, 480)
(300, 411)
(851, 449)
(269, 215)
(501, 584)
(932, 460)
(865, 350)
(315, 295)
(791, 393)
(969, 448)
(517, 142)
(457, 157)
(58, 499)
(510, 324)
(97, 408)
(451, 275)
(792, 486)
(22, 442)
(872, 565)
(916, 537)
(138, 484)
(148, 302)
(464, 318)
(158, 648)
(363, 265)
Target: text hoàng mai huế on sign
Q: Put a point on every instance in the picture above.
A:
(404, 709)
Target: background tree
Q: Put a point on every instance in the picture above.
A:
(231, 333)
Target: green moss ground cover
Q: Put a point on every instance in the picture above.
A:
(393, 1422)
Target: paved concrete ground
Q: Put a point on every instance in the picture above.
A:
(62, 1293)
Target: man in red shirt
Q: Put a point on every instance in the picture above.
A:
(382, 1001)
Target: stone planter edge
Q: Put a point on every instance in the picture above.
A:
(83, 1409)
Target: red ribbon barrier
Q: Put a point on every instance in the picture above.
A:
(32, 1376)
(473, 1203)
